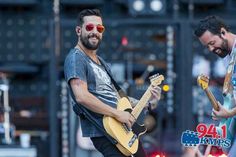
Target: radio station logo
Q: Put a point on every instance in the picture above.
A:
(206, 135)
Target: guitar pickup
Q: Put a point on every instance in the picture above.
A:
(127, 129)
(131, 142)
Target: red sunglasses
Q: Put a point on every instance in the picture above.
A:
(90, 27)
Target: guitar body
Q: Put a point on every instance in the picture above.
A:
(228, 122)
(127, 140)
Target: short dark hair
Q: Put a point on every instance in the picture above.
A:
(211, 23)
(87, 12)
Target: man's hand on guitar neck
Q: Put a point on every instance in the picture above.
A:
(222, 113)
(156, 96)
(129, 119)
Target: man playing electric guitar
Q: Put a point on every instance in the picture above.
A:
(92, 87)
(216, 36)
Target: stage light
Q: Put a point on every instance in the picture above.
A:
(156, 5)
(166, 88)
(138, 5)
(147, 7)
(157, 155)
(124, 41)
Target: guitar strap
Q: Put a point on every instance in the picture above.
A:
(230, 70)
(120, 91)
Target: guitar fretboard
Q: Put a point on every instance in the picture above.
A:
(212, 99)
(142, 103)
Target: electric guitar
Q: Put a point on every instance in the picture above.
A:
(128, 138)
(230, 123)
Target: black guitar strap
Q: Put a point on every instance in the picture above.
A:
(230, 70)
(120, 91)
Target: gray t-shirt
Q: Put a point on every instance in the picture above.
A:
(79, 65)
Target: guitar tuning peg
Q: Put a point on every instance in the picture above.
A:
(153, 76)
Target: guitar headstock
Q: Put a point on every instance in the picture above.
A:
(156, 79)
(203, 81)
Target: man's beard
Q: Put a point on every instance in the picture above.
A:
(224, 48)
(85, 41)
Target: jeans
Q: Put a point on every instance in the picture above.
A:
(104, 146)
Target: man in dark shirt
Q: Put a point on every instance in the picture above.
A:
(91, 85)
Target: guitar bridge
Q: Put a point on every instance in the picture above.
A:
(131, 142)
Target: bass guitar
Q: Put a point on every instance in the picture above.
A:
(128, 139)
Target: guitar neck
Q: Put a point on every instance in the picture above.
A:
(142, 103)
(212, 99)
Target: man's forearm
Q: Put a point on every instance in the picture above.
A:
(232, 112)
(85, 98)
(94, 104)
